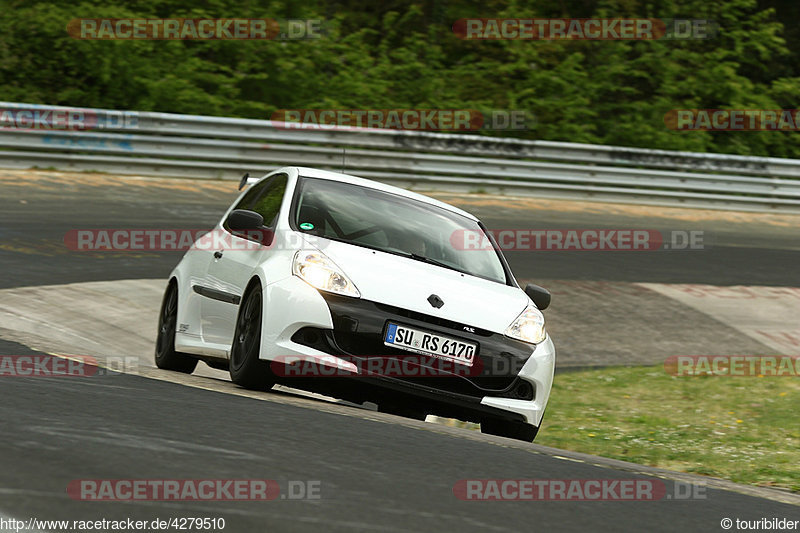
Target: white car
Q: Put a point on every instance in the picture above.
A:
(367, 283)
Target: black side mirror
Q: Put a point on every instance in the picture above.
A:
(540, 296)
(243, 220)
(249, 225)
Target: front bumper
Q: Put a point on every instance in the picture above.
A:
(514, 380)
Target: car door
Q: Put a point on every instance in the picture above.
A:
(235, 259)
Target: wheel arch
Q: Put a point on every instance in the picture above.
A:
(256, 278)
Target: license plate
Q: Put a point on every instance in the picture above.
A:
(427, 343)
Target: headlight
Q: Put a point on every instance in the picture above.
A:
(528, 327)
(316, 269)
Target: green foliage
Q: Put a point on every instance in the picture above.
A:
(398, 54)
(745, 429)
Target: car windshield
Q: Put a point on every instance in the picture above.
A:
(395, 224)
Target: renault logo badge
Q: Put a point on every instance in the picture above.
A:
(435, 301)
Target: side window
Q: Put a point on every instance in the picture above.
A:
(265, 199)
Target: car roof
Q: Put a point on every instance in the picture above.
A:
(363, 182)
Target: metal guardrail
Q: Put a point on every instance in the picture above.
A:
(163, 144)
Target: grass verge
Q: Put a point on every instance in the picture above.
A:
(745, 429)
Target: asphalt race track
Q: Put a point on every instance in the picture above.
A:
(374, 471)
(373, 475)
(39, 208)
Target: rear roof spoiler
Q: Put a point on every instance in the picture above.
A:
(247, 181)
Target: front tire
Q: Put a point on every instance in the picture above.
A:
(166, 356)
(246, 368)
(512, 430)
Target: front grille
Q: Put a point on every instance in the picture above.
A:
(357, 348)
(358, 333)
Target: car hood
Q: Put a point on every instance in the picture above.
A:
(407, 283)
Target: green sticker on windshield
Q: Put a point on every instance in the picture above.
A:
(306, 225)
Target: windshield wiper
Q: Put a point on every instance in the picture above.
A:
(424, 259)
